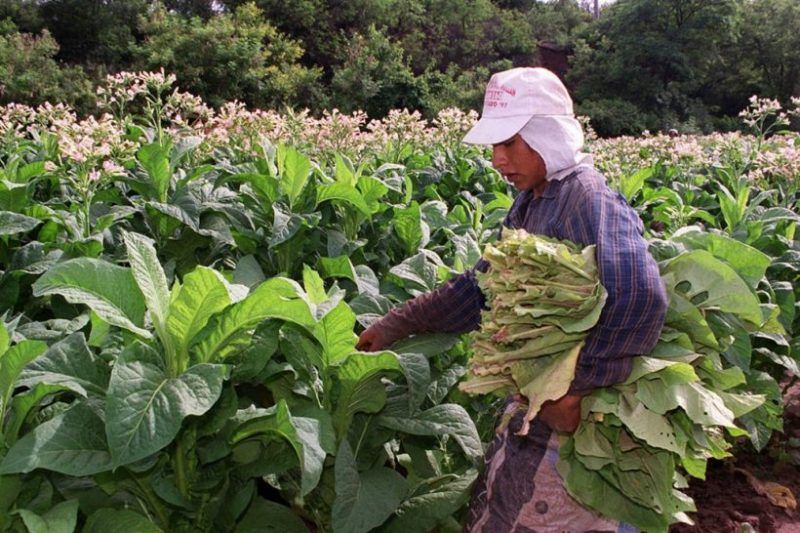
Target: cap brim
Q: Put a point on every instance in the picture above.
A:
(493, 130)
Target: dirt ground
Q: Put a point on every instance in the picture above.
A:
(727, 501)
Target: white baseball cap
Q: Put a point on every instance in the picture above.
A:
(513, 97)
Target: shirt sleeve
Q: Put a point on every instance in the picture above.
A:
(455, 307)
(634, 312)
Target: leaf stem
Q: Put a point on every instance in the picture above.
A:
(361, 437)
(180, 467)
(152, 501)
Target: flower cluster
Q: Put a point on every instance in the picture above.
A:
(764, 115)
(687, 153)
(100, 144)
(91, 140)
(125, 87)
(778, 160)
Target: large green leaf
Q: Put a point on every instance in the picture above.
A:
(631, 184)
(361, 388)
(109, 290)
(14, 197)
(248, 272)
(645, 476)
(416, 272)
(275, 298)
(13, 223)
(264, 184)
(204, 293)
(344, 193)
(284, 225)
(29, 171)
(785, 299)
(5, 339)
(344, 171)
(302, 433)
(34, 258)
(712, 284)
(265, 516)
(335, 333)
(653, 428)
(428, 344)
(737, 345)
(543, 379)
(702, 405)
(685, 317)
(11, 364)
(184, 209)
(155, 160)
(150, 278)
(72, 443)
(23, 403)
(443, 419)
(643, 366)
(364, 500)
(591, 489)
(145, 407)
(751, 264)
(408, 226)
(468, 252)
(418, 376)
(741, 404)
(62, 518)
(338, 267)
(113, 520)
(314, 285)
(372, 190)
(295, 169)
(426, 511)
(761, 422)
(301, 351)
(71, 364)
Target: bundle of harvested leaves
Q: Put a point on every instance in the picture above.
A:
(637, 440)
(545, 295)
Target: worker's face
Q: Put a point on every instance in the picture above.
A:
(521, 165)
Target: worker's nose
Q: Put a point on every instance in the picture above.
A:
(499, 157)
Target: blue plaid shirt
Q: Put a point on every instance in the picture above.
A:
(580, 208)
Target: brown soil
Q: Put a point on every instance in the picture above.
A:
(726, 501)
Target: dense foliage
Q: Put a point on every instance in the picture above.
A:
(181, 288)
(643, 64)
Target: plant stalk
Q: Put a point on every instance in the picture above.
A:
(181, 479)
(152, 501)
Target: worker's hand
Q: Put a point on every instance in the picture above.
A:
(563, 414)
(375, 338)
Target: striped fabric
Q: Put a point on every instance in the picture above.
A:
(580, 208)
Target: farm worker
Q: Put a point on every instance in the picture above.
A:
(536, 145)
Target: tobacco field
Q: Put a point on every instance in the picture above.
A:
(181, 290)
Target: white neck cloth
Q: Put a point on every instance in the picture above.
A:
(559, 140)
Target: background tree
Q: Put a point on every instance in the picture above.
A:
(238, 56)
(771, 46)
(94, 32)
(656, 55)
(30, 73)
(375, 77)
(644, 64)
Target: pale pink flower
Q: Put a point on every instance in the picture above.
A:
(111, 168)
